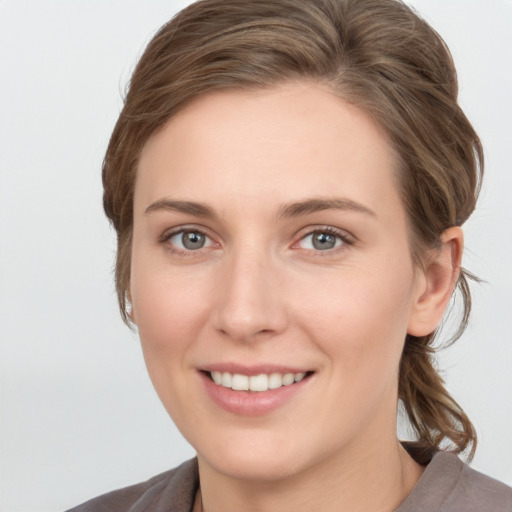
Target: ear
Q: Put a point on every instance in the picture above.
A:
(131, 314)
(129, 305)
(436, 283)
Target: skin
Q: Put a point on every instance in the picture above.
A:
(259, 292)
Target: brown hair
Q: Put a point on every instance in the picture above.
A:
(376, 54)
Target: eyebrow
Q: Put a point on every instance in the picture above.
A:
(318, 204)
(295, 209)
(188, 207)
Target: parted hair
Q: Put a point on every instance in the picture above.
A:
(376, 54)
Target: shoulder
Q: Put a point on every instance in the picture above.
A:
(476, 491)
(172, 491)
(449, 485)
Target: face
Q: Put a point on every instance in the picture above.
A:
(270, 252)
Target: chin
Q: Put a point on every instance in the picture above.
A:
(261, 459)
(252, 466)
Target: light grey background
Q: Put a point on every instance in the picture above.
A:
(78, 414)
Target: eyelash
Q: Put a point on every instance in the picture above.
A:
(166, 237)
(346, 240)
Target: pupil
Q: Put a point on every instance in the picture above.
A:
(193, 240)
(324, 241)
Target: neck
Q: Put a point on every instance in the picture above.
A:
(364, 478)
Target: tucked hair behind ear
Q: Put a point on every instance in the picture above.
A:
(378, 55)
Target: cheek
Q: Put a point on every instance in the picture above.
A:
(169, 308)
(169, 322)
(361, 322)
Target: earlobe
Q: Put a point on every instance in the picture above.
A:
(129, 306)
(437, 283)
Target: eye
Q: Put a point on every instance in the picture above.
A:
(322, 240)
(188, 240)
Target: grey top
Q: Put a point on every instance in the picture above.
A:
(447, 485)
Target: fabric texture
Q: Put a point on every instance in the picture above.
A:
(172, 491)
(447, 485)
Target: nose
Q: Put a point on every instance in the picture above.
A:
(250, 302)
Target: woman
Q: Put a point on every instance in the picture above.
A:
(287, 181)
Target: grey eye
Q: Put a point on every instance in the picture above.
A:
(321, 241)
(193, 240)
(190, 240)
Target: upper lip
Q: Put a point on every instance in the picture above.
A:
(250, 370)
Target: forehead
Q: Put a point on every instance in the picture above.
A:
(279, 144)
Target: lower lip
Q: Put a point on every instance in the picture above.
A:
(251, 403)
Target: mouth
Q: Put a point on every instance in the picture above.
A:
(256, 383)
(254, 391)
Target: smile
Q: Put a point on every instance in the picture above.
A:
(256, 383)
(254, 391)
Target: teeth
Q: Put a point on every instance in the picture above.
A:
(275, 381)
(226, 380)
(240, 382)
(262, 382)
(258, 382)
(288, 379)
